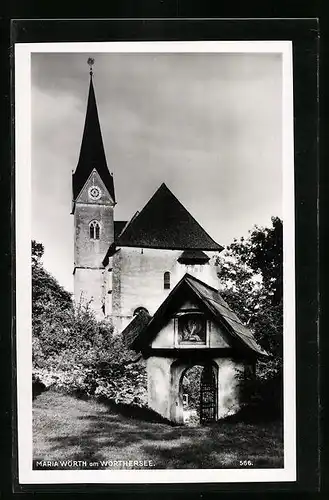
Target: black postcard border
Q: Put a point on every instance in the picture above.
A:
(304, 34)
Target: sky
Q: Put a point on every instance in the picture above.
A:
(208, 125)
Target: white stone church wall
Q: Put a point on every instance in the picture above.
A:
(93, 293)
(138, 279)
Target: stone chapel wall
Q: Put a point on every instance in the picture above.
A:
(164, 378)
(229, 382)
(159, 385)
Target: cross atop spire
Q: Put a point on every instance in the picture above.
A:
(92, 154)
(91, 62)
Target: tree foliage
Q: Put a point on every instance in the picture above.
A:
(75, 352)
(191, 383)
(49, 298)
(251, 277)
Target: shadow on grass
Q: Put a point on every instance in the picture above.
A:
(126, 410)
(118, 432)
(37, 388)
(136, 413)
(257, 414)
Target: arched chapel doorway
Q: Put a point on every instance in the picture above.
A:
(194, 392)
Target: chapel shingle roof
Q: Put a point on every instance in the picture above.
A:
(211, 300)
(165, 223)
(136, 325)
(92, 154)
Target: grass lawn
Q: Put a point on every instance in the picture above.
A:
(68, 428)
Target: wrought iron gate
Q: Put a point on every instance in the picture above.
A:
(208, 395)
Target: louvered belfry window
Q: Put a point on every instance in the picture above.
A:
(166, 280)
(94, 230)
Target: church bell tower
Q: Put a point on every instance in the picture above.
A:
(92, 207)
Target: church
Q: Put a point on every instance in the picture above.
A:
(123, 266)
(155, 277)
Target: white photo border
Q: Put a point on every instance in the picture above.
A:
(23, 196)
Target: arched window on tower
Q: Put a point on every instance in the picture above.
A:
(166, 280)
(94, 230)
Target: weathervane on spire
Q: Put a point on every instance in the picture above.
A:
(91, 63)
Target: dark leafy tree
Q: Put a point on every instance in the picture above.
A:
(251, 275)
(75, 352)
(37, 252)
(262, 253)
(49, 298)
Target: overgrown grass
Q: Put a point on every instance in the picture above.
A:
(68, 428)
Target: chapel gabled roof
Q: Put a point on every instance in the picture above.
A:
(92, 154)
(165, 223)
(211, 300)
(136, 325)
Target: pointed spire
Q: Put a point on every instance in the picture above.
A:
(92, 154)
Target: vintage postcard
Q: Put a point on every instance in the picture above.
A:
(155, 262)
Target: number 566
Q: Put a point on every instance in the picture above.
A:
(246, 463)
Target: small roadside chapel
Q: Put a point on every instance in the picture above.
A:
(194, 326)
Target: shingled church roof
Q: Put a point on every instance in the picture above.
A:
(165, 223)
(141, 332)
(92, 154)
(118, 227)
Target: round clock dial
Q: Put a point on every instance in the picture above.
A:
(94, 193)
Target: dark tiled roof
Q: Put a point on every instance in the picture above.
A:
(92, 154)
(221, 310)
(165, 223)
(134, 328)
(193, 257)
(118, 227)
(216, 306)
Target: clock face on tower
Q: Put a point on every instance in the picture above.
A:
(94, 193)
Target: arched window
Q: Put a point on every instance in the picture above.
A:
(166, 280)
(139, 310)
(94, 230)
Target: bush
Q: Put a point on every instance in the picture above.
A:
(127, 388)
(75, 353)
(262, 396)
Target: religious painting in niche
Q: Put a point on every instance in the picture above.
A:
(192, 329)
